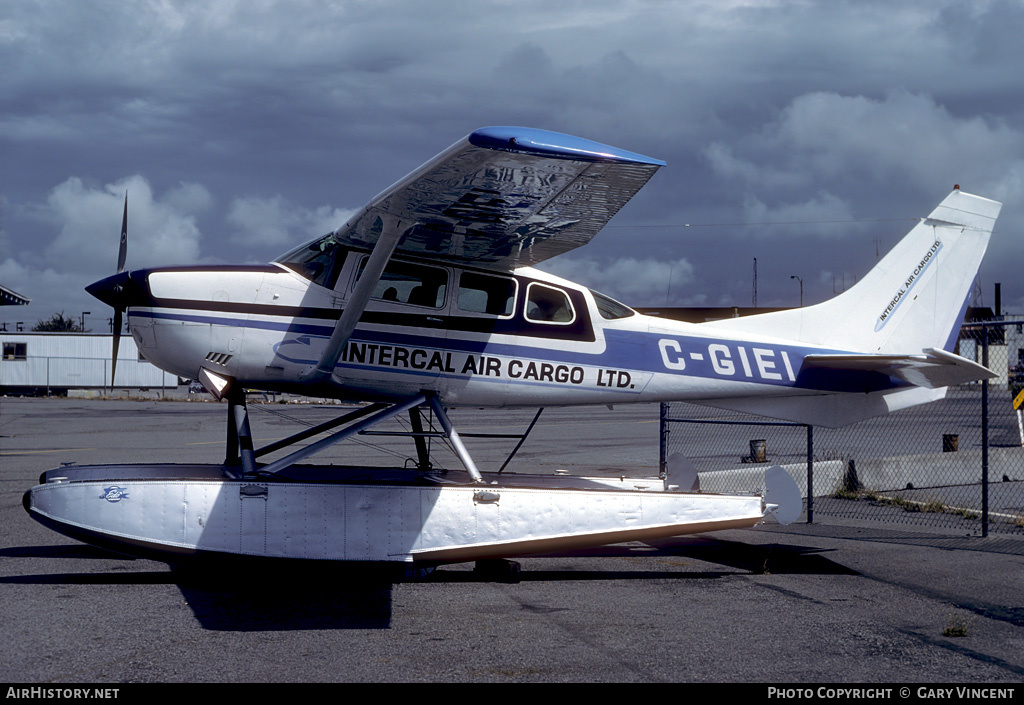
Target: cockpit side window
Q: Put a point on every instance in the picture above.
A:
(408, 283)
(546, 304)
(319, 261)
(483, 293)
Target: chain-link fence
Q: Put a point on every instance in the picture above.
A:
(957, 463)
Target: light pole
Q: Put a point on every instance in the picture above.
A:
(801, 289)
(84, 314)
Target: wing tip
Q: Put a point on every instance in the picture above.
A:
(529, 140)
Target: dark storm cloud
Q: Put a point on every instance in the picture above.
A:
(248, 127)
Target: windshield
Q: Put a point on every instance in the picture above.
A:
(320, 261)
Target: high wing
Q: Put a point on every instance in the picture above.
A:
(504, 197)
(500, 198)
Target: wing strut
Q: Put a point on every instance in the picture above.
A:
(392, 230)
(314, 448)
(240, 447)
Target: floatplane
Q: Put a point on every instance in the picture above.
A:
(426, 300)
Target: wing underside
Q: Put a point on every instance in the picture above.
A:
(503, 198)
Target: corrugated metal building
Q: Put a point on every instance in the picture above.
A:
(55, 362)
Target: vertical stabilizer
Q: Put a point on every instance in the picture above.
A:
(913, 299)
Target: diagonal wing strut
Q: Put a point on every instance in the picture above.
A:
(391, 233)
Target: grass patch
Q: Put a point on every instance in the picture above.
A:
(843, 493)
(957, 625)
(931, 506)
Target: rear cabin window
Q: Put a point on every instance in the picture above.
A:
(546, 304)
(482, 293)
(609, 308)
(407, 283)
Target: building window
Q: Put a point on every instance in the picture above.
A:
(15, 351)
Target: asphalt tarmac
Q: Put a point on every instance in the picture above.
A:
(836, 602)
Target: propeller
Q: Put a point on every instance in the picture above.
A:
(122, 254)
(114, 290)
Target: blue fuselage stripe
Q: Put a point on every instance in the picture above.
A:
(660, 353)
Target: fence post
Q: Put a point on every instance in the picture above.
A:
(663, 440)
(984, 434)
(810, 474)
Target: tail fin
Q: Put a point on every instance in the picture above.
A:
(898, 320)
(912, 300)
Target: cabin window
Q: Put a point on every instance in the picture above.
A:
(483, 293)
(546, 304)
(609, 308)
(407, 283)
(15, 351)
(319, 261)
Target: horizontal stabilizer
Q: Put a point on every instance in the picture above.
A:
(933, 368)
(829, 410)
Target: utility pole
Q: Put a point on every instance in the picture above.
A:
(754, 300)
(801, 289)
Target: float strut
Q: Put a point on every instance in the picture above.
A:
(422, 452)
(453, 436)
(239, 435)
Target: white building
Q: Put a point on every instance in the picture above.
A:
(56, 362)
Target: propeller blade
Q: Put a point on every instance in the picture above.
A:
(117, 344)
(122, 252)
(122, 255)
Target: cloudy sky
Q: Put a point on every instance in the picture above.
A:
(807, 135)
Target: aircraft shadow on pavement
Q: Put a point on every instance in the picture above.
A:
(696, 558)
(308, 597)
(76, 550)
(233, 597)
(773, 558)
(291, 596)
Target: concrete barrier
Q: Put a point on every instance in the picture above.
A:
(890, 473)
(938, 469)
(828, 477)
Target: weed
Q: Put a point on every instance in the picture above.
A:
(843, 493)
(957, 625)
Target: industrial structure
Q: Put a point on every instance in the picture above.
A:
(53, 363)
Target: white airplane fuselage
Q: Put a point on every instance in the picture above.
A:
(265, 327)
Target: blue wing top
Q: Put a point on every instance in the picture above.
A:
(505, 197)
(542, 143)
